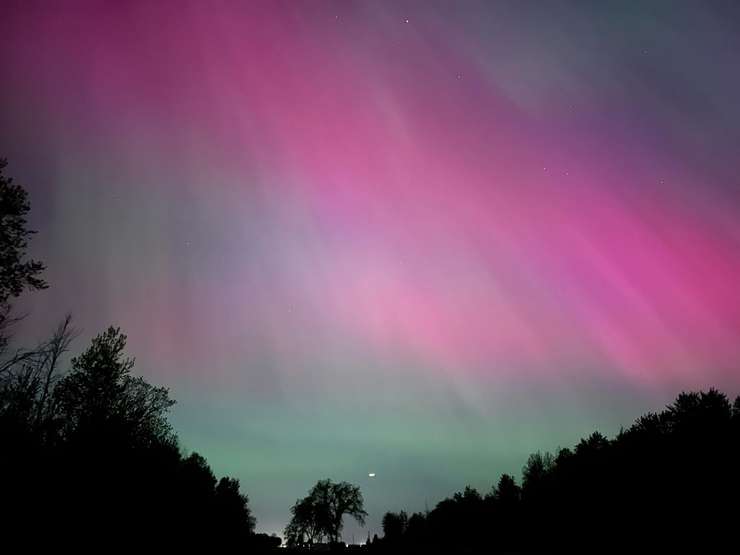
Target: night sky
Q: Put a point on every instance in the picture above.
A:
(417, 239)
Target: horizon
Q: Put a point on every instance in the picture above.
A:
(411, 239)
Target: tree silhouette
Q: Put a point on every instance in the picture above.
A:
(17, 273)
(344, 499)
(26, 387)
(506, 512)
(320, 515)
(88, 458)
(304, 527)
(417, 532)
(669, 480)
(100, 398)
(394, 525)
(231, 509)
(537, 467)
(507, 493)
(94, 448)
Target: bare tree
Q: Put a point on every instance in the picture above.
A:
(28, 378)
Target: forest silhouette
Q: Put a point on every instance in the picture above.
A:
(88, 460)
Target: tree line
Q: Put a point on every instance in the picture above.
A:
(88, 459)
(87, 455)
(672, 479)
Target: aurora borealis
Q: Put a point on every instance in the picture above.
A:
(420, 239)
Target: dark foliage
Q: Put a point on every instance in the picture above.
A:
(92, 453)
(87, 456)
(17, 271)
(318, 517)
(670, 480)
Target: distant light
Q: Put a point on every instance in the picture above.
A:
(372, 475)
